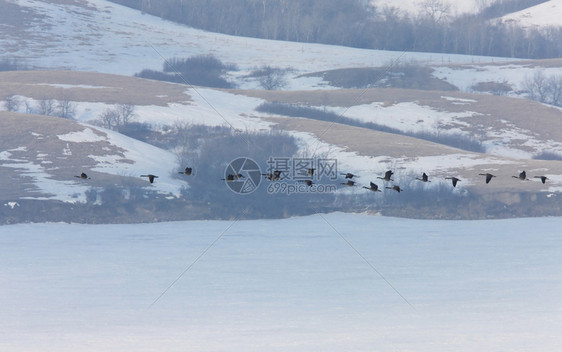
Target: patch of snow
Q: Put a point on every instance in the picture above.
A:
(12, 205)
(541, 16)
(138, 159)
(407, 117)
(68, 86)
(86, 135)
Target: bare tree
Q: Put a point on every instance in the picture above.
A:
(272, 78)
(126, 113)
(109, 119)
(554, 85)
(536, 86)
(28, 107)
(544, 89)
(47, 107)
(65, 109)
(119, 116)
(436, 11)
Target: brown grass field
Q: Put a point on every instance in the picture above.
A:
(90, 87)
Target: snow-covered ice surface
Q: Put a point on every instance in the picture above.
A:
(283, 285)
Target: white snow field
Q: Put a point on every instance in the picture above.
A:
(336, 282)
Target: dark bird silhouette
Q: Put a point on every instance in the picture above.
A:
(424, 178)
(349, 175)
(543, 178)
(488, 177)
(274, 176)
(522, 176)
(150, 177)
(229, 178)
(83, 176)
(454, 179)
(373, 187)
(308, 182)
(187, 171)
(395, 188)
(349, 183)
(387, 176)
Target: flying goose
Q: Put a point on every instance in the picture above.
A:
(187, 171)
(349, 175)
(84, 176)
(424, 178)
(454, 179)
(543, 178)
(229, 178)
(308, 182)
(522, 176)
(488, 177)
(349, 183)
(150, 177)
(373, 187)
(395, 188)
(387, 176)
(275, 176)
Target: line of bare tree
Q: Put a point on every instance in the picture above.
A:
(358, 23)
(51, 107)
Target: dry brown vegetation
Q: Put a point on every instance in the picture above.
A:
(90, 87)
(490, 112)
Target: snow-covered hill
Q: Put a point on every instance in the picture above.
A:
(547, 14)
(96, 35)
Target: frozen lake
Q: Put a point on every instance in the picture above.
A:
(336, 282)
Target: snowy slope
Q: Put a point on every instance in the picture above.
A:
(105, 37)
(547, 14)
(283, 285)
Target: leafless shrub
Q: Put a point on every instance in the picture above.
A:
(545, 89)
(65, 109)
(496, 88)
(47, 107)
(117, 117)
(271, 78)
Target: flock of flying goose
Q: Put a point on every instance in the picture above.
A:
(278, 175)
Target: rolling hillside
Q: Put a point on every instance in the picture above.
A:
(374, 129)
